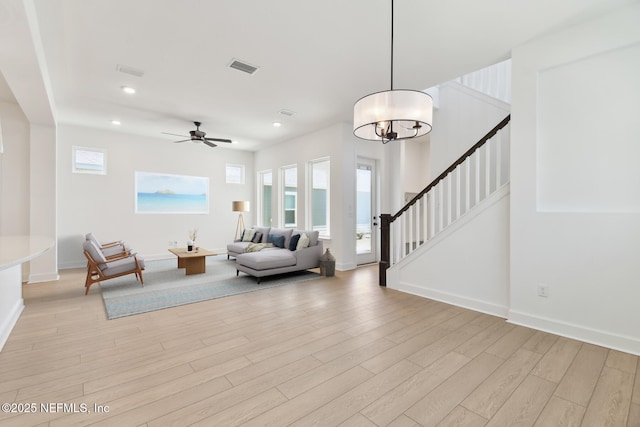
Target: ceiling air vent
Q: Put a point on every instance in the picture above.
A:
(243, 66)
(129, 70)
(288, 113)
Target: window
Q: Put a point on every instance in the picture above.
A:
(289, 195)
(235, 174)
(89, 160)
(265, 196)
(319, 184)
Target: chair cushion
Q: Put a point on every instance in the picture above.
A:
(91, 237)
(114, 250)
(120, 266)
(94, 252)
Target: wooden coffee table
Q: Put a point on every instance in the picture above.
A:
(194, 262)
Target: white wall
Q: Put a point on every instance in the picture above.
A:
(104, 204)
(464, 117)
(417, 169)
(14, 171)
(578, 241)
(467, 264)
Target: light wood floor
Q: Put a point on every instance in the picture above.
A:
(336, 351)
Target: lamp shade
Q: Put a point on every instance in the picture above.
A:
(410, 113)
(240, 206)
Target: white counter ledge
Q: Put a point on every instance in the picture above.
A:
(14, 251)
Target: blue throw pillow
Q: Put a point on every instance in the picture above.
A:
(293, 244)
(277, 240)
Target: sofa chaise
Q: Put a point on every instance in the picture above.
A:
(290, 250)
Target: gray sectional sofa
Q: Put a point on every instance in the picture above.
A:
(283, 258)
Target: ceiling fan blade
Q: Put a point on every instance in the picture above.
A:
(184, 140)
(228, 141)
(174, 134)
(210, 144)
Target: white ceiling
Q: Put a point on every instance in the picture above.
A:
(315, 57)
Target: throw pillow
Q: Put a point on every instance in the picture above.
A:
(257, 238)
(277, 240)
(248, 235)
(293, 244)
(303, 242)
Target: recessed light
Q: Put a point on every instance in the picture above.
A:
(115, 122)
(129, 90)
(277, 124)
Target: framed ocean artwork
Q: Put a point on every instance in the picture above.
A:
(158, 193)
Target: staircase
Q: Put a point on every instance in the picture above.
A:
(476, 175)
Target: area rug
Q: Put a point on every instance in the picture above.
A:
(167, 286)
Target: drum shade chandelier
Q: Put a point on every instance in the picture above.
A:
(393, 114)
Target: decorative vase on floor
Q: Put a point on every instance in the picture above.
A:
(327, 264)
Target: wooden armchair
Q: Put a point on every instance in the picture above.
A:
(111, 250)
(100, 268)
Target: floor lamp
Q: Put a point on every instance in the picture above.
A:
(240, 206)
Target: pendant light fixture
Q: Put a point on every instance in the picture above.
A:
(393, 114)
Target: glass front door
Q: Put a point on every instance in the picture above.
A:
(366, 227)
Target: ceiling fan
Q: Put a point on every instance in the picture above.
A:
(199, 136)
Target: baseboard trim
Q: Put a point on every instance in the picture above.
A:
(345, 266)
(45, 277)
(10, 322)
(455, 299)
(593, 336)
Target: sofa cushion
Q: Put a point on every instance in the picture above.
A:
(257, 237)
(237, 247)
(286, 232)
(313, 235)
(267, 259)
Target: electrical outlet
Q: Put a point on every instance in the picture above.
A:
(543, 291)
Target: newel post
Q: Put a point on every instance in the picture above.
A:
(385, 241)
